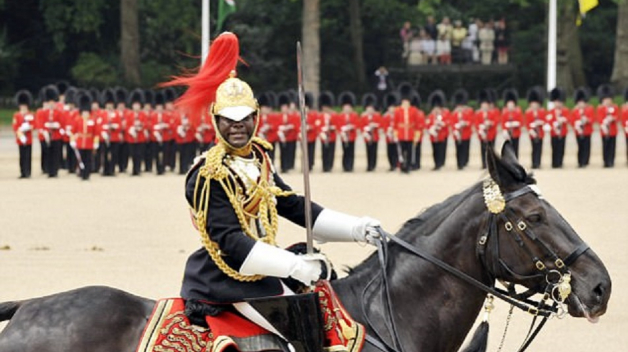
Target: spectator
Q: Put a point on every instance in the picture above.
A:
(443, 49)
(428, 47)
(458, 35)
(406, 34)
(474, 27)
(430, 28)
(415, 57)
(382, 82)
(501, 41)
(487, 38)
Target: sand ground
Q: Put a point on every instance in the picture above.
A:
(135, 234)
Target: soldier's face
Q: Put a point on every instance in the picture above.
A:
(237, 133)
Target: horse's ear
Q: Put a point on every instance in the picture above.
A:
(506, 171)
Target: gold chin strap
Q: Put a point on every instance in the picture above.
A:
(215, 169)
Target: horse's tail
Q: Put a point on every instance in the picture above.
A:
(8, 309)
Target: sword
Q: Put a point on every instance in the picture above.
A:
(304, 155)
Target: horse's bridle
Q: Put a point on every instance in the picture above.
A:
(556, 290)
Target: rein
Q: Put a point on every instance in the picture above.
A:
(496, 203)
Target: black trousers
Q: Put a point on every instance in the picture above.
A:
(288, 153)
(99, 156)
(439, 153)
(371, 155)
(608, 150)
(123, 156)
(112, 154)
(537, 151)
(558, 151)
(159, 153)
(70, 158)
(348, 156)
(311, 154)
(187, 152)
(392, 154)
(137, 151)
(87, 158)
(483, 146)
(416, 156)
(515, 146)
(584, 150)
(328, 152)
(171, 154)
(26, 154)
(405, 147)
(45, 153)
(462, 153)
(54, 158)
(148, 156)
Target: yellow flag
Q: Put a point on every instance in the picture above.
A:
(587, 5)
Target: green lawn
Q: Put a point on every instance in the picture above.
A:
(6, 117)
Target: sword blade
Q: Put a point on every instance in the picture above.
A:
(304, 155)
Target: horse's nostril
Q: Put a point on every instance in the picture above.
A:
(599, 291)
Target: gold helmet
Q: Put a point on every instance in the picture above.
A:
(235, 101)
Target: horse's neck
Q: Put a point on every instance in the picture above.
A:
(433, 310)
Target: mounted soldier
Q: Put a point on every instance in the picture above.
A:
(235, 195)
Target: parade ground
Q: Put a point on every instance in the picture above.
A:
(134, 233)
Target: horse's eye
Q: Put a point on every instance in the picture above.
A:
(534, 218)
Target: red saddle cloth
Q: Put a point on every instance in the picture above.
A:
(168, 329)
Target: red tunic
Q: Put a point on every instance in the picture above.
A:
(111, 126)
(327, 131)
(370, 125)
(607, 117)
(23, 126)
(313, 126)
(347, 123)
(268, 127)
(512, 121)
(137, 129)
(50, 123)
(462, 123)
(535, 120)
(161, 130)
(205, 130)
(438, 123)
(624, 118)
(486, 122)
(582, 120)
(388, 126)
(85, 131)
(408, 123)
(558, 119)
(288, 127)
(185, 130)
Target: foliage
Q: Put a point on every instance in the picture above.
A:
(66, 17)
(9, 56)
(93, 70)
(6, 116)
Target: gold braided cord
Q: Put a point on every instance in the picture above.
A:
(214, 168)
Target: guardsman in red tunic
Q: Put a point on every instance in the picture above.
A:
(407, 130)
(461, 121)
(50, 125)
(347, 124)
(536, 121)
(110, 132)
(582, 118)
(327, 132)
(558, 120)
(184, 139)
(23, 126)
(69, 113)
(312, 125)
(624, 119)
(391, 100)
(99, 153)
(121, 108)
(607, 116)
(486, 122)
(438, 123)
(85, 136)
(149, 104)
(205, 133)
(287, 131)
(268, 123)
(371, 125)
(161, 132)
(512, 119)
(137, 130)
(173, 114)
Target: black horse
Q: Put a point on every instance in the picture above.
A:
(432, 310)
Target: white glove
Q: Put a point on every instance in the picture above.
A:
(268, 260)
(22, 139)
(547, 128)
(96, 145)
(73, 144)
(25, 127)
(333, 226)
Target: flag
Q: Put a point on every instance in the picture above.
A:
(225, 8)
(587, 5)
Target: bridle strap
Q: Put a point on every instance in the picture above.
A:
(583, 247)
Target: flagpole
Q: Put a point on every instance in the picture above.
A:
(551, 46)
(205, 30)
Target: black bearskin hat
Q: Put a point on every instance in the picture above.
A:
(309, 99)
(326, 98)
(493, 94)
(626, 94)
(557, 94)
(460, 97)
(391, 99)
(149, 97)
(510, 94)
(605, 91)
(84, 100)
(369, 99)
(50, 92)
(581, 94)
(136, 96)
(294, 96)
(23, 97)
(284, 98)
(437, 98)
(71, 96)
(484, 96)
(107, 96)
(347, 97)
(160, 97)
(170, 94)
(262, 100)
(62, 87)
(405, 90)
(121, 95)
(95, 93)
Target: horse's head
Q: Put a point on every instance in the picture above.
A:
(531, 243)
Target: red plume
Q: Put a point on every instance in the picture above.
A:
(222, 59)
